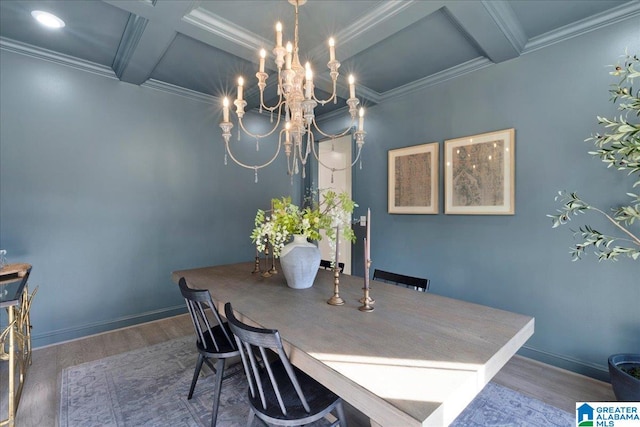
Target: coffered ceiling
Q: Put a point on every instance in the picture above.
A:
(199, 48)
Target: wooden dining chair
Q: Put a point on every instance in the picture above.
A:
(417, 283)
(214, 339)
(326, 264)
(279, 393)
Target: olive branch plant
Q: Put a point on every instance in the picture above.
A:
(618, 147)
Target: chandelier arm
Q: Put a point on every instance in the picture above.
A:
(270, 109)
(255, 167)
(333, 96)
(337, 135)
(325, 101)
(258, 135)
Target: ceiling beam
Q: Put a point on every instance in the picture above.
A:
(147, 37)
(493, 28)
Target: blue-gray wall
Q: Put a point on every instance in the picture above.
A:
(108, 187)
(584, 310)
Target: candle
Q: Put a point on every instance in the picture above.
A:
(225, 109)
(337, 245)
(240, 88)
(352, 86)
(286, 132)
(309, 77)
(287, 58)
(366, 265)
(361, 123)
(332, 49)
(279, 34)
(368, 234)
(263, 55)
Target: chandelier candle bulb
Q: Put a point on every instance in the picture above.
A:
(263, 55)
(361, 123)
(352, 86)
(240, 88)
(309, 77)
(225, 109)
(332, 49)
(278, 34)
(287, 58)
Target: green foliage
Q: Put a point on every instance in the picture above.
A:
(618, 147)
(275, 227)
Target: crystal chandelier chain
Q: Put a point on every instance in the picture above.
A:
(296, 102)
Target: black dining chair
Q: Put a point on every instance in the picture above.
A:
(214, 339)
(326, 264)
(417, 283)
(279, 393)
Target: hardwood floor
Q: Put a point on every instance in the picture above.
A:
(41, 395)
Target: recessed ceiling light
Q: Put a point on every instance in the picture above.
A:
(47, 19)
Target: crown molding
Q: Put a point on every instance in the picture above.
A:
(214, 24)
(437, 78)
(98, 69)
(613, 16)
(384, 12)
(14, 46)
(180, 91)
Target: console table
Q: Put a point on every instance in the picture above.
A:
(15, 338)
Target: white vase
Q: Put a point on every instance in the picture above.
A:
(299, 261)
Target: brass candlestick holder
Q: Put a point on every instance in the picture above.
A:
(256, 265)
(336, 299)
(366, 300)
(273, 270)
(266, 272)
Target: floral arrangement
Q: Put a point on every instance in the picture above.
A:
(324, 213)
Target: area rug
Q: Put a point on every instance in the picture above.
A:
(149, 386)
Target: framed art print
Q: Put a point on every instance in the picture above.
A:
(413, 179)
(480, 173)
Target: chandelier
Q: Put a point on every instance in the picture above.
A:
(296, 103)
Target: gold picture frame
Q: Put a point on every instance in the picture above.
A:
(479, 174)
(413, 179)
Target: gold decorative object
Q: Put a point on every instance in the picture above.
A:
(336, 299)
(18, 335)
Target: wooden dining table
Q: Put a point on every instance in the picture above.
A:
(417, 359)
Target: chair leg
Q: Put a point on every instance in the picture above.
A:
(195, 375)
(251, 417)
(340, 413)
(216, 391)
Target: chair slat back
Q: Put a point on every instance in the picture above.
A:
(417, 283)
(198, 301)
(326, 264)
(253, 343)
